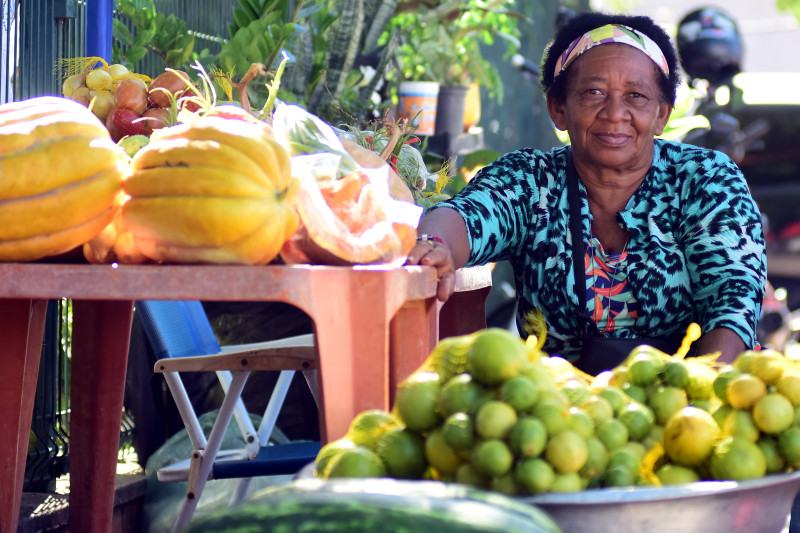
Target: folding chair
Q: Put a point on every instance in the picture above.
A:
(183, 341)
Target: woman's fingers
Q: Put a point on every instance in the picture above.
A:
(437, 255)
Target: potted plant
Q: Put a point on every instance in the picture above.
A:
(441, 41)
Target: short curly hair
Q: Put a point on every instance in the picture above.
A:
(584, 22)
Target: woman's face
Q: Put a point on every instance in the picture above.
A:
(613, 108)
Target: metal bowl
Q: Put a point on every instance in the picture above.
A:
(754, 506)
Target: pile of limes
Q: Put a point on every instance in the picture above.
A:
(490, 411)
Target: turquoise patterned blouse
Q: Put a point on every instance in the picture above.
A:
(696, 250)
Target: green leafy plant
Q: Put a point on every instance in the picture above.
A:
(442, 40)
(165, 36)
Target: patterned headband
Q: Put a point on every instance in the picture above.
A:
(611, 33)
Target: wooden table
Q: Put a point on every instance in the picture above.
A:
(374, 325)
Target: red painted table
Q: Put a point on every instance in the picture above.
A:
(374, 325)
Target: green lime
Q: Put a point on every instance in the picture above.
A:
(496, 355)
(519, 392)
(576, 391)
(328, 452)
(616, 397)
(670, 474)
(675, 373)
(528, 437)
(613, 433)
(459, 393)
(769, 447)
(773, 413)
(439, 455)
(643, 369)
(638, 419)
(740, 424)
(492, 457)
(539, 375)
(666, 401)
(449, 356)
(495, 419)
(358, 461)
(624, 457)
(458, 431)
(737, 459)
(598, 408)
(403, 453)
(554, 417)
(566, 482)
(416, 401)
(466, 474)
(534, 475)
(721, 413)
(701, 380)
(581, 422)
(596, 460)
(368, 426)
(724, 375)
(505, 484)
(619, 476)
(567, 451)
(635, 392)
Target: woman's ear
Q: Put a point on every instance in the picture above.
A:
(664, 112)
(556, 110)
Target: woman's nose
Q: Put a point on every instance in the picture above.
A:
(615, 109)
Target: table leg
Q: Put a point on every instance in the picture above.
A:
(414, 332)
(22, 331)
(463, 313)
(101, 336)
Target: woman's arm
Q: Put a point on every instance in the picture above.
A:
(722, 340)
(447, 257)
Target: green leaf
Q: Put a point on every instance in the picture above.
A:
(121, 33)
(143, 38)
(134, 54)
(241, 18)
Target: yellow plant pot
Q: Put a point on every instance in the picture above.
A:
(472, 106)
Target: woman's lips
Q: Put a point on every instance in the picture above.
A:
(614, 139)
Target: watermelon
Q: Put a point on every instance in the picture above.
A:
(376, 504)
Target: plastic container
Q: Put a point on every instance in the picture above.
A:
(418, 104)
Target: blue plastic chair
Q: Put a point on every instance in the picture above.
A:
(183, 341)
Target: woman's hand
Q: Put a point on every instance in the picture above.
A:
(433, 251)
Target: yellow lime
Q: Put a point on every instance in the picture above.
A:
(773, 413)
(744, 391)
(769, 366)
(328, 452)
(496, 355)
(789, 385)
(701, 380)
(769, 447)
(724, 375)
(469, 475)
(737, 459)
(416, 401)
(566, 482)
(643, 369)
(439, 455)
(789, 445)
(567, 451)
(598, 408)
(460, 393)
(615, 397)
(449, 356)
(690, 436)
(519, 392)
(675, 373)
(358, 461)
(638, 419)
(670, 474)
(403, 453)
(368, 426)
(581, 422)
(492, 457)
(619, 377)
(596, 460)
(561, 369)
(745, 360)
(528, 437)
(459, 431)
(740, 424)
(534, 476)
(495, 419)
(612, 433)
(666, 401)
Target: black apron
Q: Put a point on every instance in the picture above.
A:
(599, 353)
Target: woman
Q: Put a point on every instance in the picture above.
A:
(667, 233)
